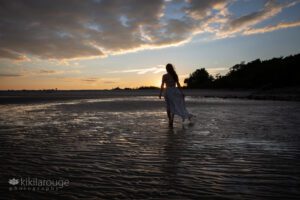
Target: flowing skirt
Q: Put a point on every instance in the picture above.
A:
(175, 103)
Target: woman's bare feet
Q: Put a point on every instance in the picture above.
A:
(190, 117)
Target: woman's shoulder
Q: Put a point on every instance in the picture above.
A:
(165, 76)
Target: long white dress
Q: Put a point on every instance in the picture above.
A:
(175, 100)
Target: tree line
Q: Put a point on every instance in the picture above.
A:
(273, 73)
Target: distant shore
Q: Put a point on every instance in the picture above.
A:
(32, 96)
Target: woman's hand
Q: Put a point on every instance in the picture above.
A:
(159, 96)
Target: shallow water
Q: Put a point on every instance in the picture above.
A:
(122, 148)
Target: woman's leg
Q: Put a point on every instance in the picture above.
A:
(170, 116)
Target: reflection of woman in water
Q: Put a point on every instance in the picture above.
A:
(174, 96)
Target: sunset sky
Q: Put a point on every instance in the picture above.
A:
(102, 44)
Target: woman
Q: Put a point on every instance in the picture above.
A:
(174, 96)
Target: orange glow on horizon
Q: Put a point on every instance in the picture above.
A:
(32, 83)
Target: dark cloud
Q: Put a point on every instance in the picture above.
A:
(11, 55)
(48, 72)
(10, 75)
(67, 29)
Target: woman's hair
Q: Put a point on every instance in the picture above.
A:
(170, 69)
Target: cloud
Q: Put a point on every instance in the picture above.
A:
(90, 80)
(49, 72)
(201, 9)
(93, 80)
(10, 75)
(243, 23)
(73, 29)
(36, 72)
(9, 54)
(278, 26)
(64, 30)
(141, 71)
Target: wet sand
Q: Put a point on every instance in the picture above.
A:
(8, 97)
(122, 148)
(15, 97)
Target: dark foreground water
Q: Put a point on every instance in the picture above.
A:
(122, 148)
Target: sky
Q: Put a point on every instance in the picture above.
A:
(103, 44)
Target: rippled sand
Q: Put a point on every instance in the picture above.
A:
(122, 148)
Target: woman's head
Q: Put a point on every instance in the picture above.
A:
(170, 69)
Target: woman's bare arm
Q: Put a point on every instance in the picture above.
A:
(179, 87)
(161, 87)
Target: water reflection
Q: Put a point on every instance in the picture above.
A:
(111, 153)
(172, 150)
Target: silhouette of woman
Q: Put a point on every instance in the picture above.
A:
(174, 96)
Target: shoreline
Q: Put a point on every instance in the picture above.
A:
(19, 97)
